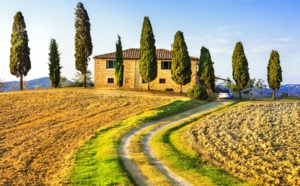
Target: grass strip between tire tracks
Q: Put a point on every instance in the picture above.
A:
(171, 147)
(97, 162)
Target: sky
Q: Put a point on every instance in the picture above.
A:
(261, 26)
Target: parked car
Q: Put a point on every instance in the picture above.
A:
(225, 94)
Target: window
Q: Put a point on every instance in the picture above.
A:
(110, 80)
(162, 81)
(143, 81)
(166, 65)
(110, 64)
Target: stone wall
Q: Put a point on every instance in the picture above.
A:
(132, 78)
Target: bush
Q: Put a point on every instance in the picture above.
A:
(197, 92)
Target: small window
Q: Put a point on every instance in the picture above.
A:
(166, 65)
(110, 64)
(110, 80)
(143, 81)
(162, 81)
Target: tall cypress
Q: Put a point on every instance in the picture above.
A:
(119, 68)
(148, 61)
(240, 70)
(181, 63)
(83, 40)
(54, 63)
(274, 72)
(20, 63)
(206, 71)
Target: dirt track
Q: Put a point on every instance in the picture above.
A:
(40, 131)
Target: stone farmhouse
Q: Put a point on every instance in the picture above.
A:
(104, 72)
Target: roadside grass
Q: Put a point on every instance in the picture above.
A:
(98, 162)
(170, 146)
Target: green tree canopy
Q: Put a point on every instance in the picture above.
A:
(206, 71)
(148, 61)
(274, 72)
(83, 40)
(54, 63)
(20, 63)
(240, 70)
(119, 68)
(181, 63)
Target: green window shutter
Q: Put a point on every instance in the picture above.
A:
(107, 64)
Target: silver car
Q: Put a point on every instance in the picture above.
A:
(225, 94)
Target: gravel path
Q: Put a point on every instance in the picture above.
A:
(133, 169)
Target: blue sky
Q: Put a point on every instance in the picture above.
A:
(261, 25)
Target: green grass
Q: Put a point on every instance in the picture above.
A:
(171, 148)
(97, 162)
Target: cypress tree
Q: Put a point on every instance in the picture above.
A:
(181, 63)
(20, 63)
(83, 40)
(148, 61)
(240, 70)
(274, 72)
(119, 68)
(206, 71)
(54, 63)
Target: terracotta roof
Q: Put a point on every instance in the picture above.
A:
(134, 53)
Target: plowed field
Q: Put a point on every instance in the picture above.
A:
(40, 131)
(256, 142)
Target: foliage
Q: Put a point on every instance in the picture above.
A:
(260, 84)
(148, 60)
(206, 71)
(197, 92)
(274, 72)
(83, 40)
(119, 68)
(240, 70)
(20, 63)
(54, 64)
(1, 85)
(63, 82)
(249, 86)
(78, 81)
(181, 63)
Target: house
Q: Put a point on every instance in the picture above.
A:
(104, 72)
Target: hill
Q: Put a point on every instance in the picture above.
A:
(43, 82)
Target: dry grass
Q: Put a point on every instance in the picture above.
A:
(256, 142)
(40, 131)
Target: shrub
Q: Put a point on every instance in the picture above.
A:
(197, 92)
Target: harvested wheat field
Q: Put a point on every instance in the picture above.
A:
(256, 142)
(40, 131)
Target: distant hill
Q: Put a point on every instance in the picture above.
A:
(292, 89)
(43, 82)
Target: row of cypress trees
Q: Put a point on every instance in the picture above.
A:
(181, 64)
(240, 70)
(20, 62)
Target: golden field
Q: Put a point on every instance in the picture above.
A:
(41, 130)
(258, 142)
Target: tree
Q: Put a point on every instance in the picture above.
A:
(119, 68)
(274, 72)
(181, 64)
(78, 79)
(20, 63)
(148, 61)
(54, 63)
(206, 71)
(83, 40)
(1, 85)
(260, 84)
(249, 86)
(240, 70)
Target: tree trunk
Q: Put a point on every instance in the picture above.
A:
(84, 79)
(148, 85)
(21, 82)
(240, 94)
(260, 91)
(180, 88)
(273, 95)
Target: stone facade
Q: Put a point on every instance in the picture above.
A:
(105, 76)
